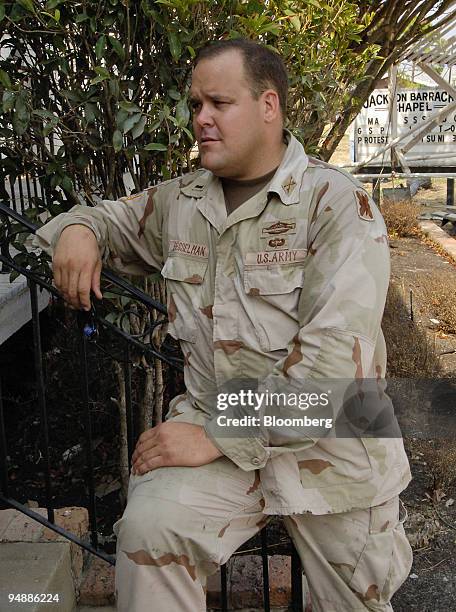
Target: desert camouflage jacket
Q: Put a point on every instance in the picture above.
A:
(289, 287)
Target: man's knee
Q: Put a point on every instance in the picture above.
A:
(150, 523)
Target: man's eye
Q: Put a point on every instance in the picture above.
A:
(195, 105)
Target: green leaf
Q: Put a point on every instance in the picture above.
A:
(27, 4)
(4, 79)
(174, 45)
(192, 52)
(130, 107)
(182, 112)
(80, 17)
(121, 117)
(44, 113)
(82, 161)
(138, 130)
(21, 115)
(50, 125)
(296, 23)
(8, 100)
(130, 122)
(57, 15)
(102, 71)
(189, 134)
(154, 126)
(166, 174)
(74, 96)
(100, 47)
(109, 20)
(67, 184)
(97, 79)
(118, 49)
(175, 95)
(114, 89)
(55, 180)
(155, 146)
(117, 141)
(91, 112)
(112, 316)
(2, 11)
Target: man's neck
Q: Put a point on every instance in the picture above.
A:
(237, 192)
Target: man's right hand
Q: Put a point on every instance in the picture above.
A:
(76, 266)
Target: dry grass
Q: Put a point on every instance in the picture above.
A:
(439, 455)
(401, 218)
(409, 352)
(439, 293)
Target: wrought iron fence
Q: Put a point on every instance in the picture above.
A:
(92, 329)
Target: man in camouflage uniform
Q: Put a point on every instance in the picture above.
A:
(277, 268)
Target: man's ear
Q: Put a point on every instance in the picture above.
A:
(271, 105)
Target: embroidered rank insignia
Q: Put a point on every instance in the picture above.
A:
(363, 206)
(288, 185)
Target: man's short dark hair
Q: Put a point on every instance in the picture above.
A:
(264, 69)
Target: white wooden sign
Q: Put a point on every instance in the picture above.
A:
(372, 130)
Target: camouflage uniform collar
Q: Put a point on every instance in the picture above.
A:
(195, 185)
(286, 182)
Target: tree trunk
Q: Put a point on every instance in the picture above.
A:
(123, 445)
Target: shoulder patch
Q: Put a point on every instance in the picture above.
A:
(363, 206)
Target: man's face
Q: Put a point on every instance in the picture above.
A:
(227, 120)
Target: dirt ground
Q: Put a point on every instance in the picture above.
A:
(431, 526)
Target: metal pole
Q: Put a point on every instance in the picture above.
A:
(296, 582)
(3, 450)
(265, 560)
(224, 589)
(376, 191)
(88, 431)
(450, 192)
(130, 424)
(41, 394)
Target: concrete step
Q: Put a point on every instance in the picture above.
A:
(35, 560)
(38, 569)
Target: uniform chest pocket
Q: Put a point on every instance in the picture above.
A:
(184, 277)
(273, 308)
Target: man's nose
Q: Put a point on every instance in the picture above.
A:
(204, 116)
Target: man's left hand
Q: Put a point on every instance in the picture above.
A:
(173, 444)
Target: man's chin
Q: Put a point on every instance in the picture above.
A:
(209, 163)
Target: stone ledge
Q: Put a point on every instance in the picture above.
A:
(438, 235)
(36, 568)
(18, 527)
(97, 586)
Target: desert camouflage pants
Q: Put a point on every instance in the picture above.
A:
(180, 524)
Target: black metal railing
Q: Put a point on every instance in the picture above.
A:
(90, 342)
